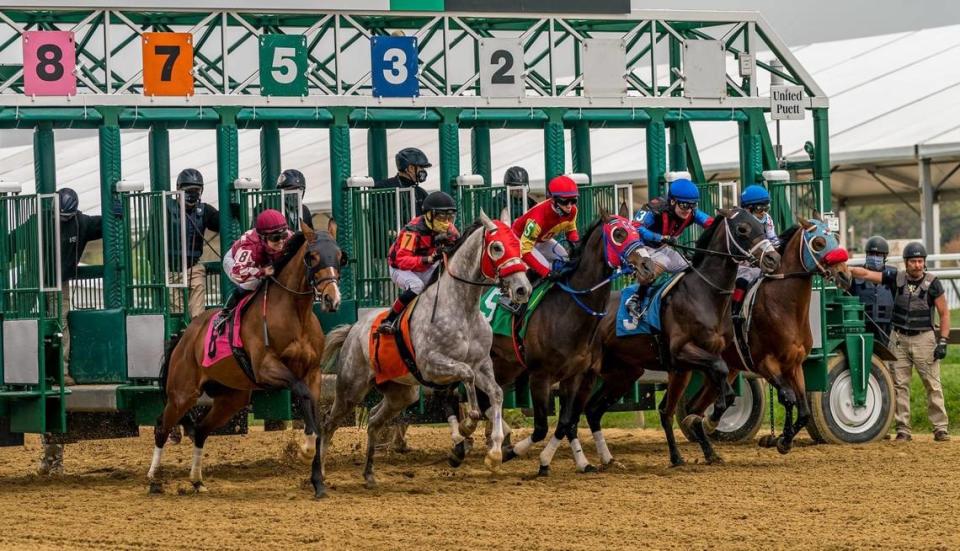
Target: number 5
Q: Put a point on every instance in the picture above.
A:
(284, 67)
(397, 72)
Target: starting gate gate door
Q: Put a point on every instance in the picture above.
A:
(713, 196)
(31, 375)
(378, 215)
(788, 200)
(471, 199)
(254, 201)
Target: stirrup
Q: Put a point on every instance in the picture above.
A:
(388, 327)
(222, 317)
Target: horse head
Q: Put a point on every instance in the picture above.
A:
(747, 240)
(624, 249)
(821, 253)
(323, 260)
(500, 260)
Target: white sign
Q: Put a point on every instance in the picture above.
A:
(833, 221)
(501, 68)
(604, 64)
(704, 69)
(786, 103)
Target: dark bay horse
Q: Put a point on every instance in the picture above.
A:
(450, 338)
(696, 327)
(780, 338)
(281, 336)
(557, 345)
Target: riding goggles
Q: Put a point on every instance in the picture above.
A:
(687, 205)
(565, 201)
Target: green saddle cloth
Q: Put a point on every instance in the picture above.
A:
(501, 319)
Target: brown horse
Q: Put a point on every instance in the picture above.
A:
(695, 328)
(284, 343)
(780, 338)
(557, 341)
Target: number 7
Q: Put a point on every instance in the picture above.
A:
(172, 53)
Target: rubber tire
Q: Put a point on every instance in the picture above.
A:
(824, 428)
(747, 430)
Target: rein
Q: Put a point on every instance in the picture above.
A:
(574, 293)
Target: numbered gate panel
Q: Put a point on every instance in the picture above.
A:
(167, 64)
(378, 215)
(283, 65)
(394, 66)
(501, 68)
(49, 60)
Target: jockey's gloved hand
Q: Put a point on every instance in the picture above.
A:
(940, 352)
(668, 240)
(435, 257)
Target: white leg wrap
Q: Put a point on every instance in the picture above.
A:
(578, 456)
(522, 447)
(455, 430)
(602, 449)
(196, 474)
(546, 456)
(309, 444)
(155, 463)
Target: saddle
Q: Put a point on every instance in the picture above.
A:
(741, 324)
(393, 356)
(223, 343)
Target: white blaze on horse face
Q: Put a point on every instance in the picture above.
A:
(330, 289)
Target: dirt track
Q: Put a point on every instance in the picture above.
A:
(888, 495)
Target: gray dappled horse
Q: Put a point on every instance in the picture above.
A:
(450, 337)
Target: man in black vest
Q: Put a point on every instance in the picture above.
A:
(290, 179)
(877, 298)
(412, 165)
(200, 217)
(913, 340)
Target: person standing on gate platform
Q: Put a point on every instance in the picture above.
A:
(76, 230)
(416, 253)
(516, 176)
(293, 179)
(877, 298)
(200, 217)
(914, 341)
(412, 165)
(756, 200)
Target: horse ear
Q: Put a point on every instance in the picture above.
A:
(624, 211)
(604, 215)
(307, 232)
(487, 223)
(804, 223)
(816, 216)
(723, 213)
(332, 227)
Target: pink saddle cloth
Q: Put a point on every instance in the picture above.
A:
(222, 347)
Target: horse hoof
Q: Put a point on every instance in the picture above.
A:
(714, 460)
(509, 455)
(454, 461)
(305, 455)
(493, 460)
(783, 446)
(611, 465)
(474, 414)
(767, 441)
(589, 469)
(320, 493)
(457, 454)
(199, 488)
(544, 470)
(370, 483)
(709, 425)
(156, 487)
(677, 462)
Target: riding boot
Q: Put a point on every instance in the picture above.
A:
(389, 325)
(739, 292)
(227, 311)
(635, 302)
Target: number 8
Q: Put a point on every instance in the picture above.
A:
(397, 72)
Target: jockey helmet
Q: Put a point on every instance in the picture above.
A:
(754, 195)
(291, 178)
(877, 245)
(189, 177)
(270, 221)
(68, 201)
(516, 176)
(684, 190)
(439, 203)
(562, 186)
(411, 156)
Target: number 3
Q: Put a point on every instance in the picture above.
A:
(284, 67)
(397, 72)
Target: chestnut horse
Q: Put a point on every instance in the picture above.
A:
(284, 343)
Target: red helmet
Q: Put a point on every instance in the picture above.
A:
(562, 186)
(270, 221)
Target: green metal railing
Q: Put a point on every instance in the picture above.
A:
(30, 256)
(788, 200)
(145, 279)
(253, 202)
(378, 215)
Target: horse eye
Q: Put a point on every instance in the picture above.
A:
(495, 250)
(743, 229)
(818, 244)
(619, 235)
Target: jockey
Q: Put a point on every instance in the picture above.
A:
(660, 223)
(755, 199)
(251, 258)
(415, 255)
(537, 227)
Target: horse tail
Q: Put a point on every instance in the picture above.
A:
(331, 350)
(165, 365)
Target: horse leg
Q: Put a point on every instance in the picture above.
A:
(272, 372)
(177, 406)
(676, 384)
(487, 383)
(787, 398)
(794, 393)
(546, 456)
(614, 387)
(314, 384)
(540, 395)
(451, 409)
(438, 365)
(580, 397)
(224, 407)
(396, 398)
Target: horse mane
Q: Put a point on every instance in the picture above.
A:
(452, 250)
(290, 250)
(576, 256)
(704, 241)
(785, 238)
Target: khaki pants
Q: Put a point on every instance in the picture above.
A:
(197, 286)
(65, 304)
(916, 351)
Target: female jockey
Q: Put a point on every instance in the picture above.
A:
(415, 255)
(251, 258)
(756, 200)
(537, 227)
(660, 223)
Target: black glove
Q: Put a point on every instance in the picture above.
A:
(435, 257)
(940, 352)
(668, 240)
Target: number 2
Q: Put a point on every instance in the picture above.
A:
(284, 67)
(172, 53)
(500, 76)
(397, 72)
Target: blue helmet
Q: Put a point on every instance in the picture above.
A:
(754, 195)
(684, 190)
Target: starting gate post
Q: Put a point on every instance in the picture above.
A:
(159, 146)
(580, 148)
(228, 165)
(340, 198)
(480, 153)
(377, 164)
(449, 150)
(110, 174)
(553, 146)
(656, 153)
(269, 155)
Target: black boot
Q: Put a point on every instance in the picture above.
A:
(633, 303)
(227, 311)
(739, 293)
(389, 324)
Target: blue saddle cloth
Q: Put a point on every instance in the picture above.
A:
(649, 322)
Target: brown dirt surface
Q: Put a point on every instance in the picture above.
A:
(883, 495)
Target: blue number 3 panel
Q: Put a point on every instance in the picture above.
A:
(393, 63)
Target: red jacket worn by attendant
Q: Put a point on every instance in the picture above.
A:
(251, 256)
(415, 244)
(542, 223)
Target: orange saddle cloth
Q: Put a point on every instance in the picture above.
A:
(386, 358)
